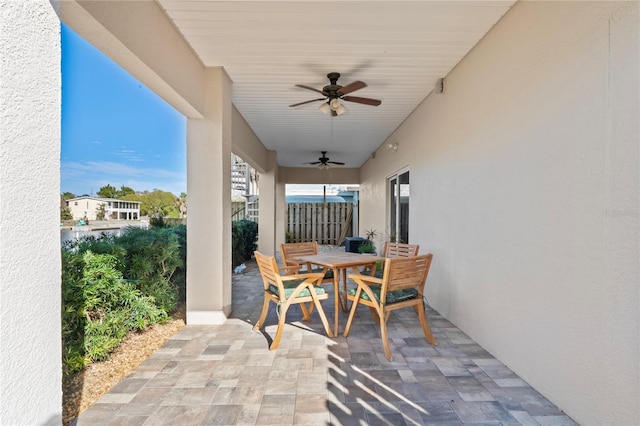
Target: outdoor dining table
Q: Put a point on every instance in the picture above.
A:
(339, 262)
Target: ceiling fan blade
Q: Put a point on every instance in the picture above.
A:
(366, 101)
(306, 102)
(337, 163)
(312, 162)
(311, 88)
(352, 87)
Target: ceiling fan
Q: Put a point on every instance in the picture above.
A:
(324, 162)
(333, 93)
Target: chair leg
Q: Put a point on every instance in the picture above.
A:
(374, 314)
(352, 313)
(306, 312)
(383, 332)
(281, 323)
(323, 317)
(425, 326)
(263, 315)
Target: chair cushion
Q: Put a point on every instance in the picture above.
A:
(392, 296)
(290, 286)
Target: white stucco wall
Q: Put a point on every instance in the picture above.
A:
(524, 185)
(30, 347)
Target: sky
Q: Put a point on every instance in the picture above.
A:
(115, 130)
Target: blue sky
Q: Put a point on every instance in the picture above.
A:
(114, 130)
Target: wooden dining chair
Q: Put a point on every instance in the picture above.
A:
(396, 250)
(401, 286)
(290, 251)
(400, 249)
(286, 290)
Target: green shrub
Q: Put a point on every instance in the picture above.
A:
(153, 255)
(244, 237)
(112, 285)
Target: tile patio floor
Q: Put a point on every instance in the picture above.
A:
(225, 375)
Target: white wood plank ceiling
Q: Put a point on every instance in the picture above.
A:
(398, 48)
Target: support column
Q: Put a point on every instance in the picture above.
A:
(209, 218)
(267, 213)
(30, 281)
(281, 214)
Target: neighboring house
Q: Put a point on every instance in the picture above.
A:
(87, 207)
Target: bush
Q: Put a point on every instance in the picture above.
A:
(100, 306)
(153, 255)
(244, 237)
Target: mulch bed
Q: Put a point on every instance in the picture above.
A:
(85, 388)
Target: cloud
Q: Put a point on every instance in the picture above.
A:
(84, 178)
(129, 155)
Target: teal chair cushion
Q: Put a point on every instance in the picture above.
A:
(392, 296)
(290, 286)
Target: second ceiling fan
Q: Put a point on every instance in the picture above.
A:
(333, 93)
(324, 162)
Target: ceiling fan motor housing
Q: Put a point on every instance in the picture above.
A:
(331, 90)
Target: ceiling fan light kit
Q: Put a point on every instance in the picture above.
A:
(325, 108)
(333, 93)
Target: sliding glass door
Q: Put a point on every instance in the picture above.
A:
(399, 206)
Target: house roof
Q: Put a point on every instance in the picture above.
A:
(102, 199)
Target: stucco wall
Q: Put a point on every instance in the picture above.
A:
(524, 185)
(30, 348)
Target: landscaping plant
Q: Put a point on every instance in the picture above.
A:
(244, 237)
(113, 285)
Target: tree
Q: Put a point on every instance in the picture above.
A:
(65, 214)
(156, 203)
(107, 191)
(68, 195)
(182, 204)
(124, 191)
(101, 211)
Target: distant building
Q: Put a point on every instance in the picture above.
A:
(87, 207)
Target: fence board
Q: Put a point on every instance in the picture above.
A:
(321, 222)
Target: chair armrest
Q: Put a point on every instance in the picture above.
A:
(313, 277)
(291, 267)
(367, 278)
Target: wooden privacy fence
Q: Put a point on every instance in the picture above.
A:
(326, 223)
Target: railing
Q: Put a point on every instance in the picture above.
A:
(239, 214)
(326, 223)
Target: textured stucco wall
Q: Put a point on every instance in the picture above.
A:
(524, 185)
(30, 348)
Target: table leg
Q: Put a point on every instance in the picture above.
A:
(345, 303)
(336, 290)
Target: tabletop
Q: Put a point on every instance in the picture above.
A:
(340, 259)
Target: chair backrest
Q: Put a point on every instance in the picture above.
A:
(291, 250)
(400, 250)
(268, 269)
(405, 272)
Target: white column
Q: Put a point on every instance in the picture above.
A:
(267, 214)
(209, 219)
(281, 213)
(30, 108)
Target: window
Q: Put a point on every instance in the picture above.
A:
(399, 206)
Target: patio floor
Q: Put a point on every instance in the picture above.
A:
(226, 375)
